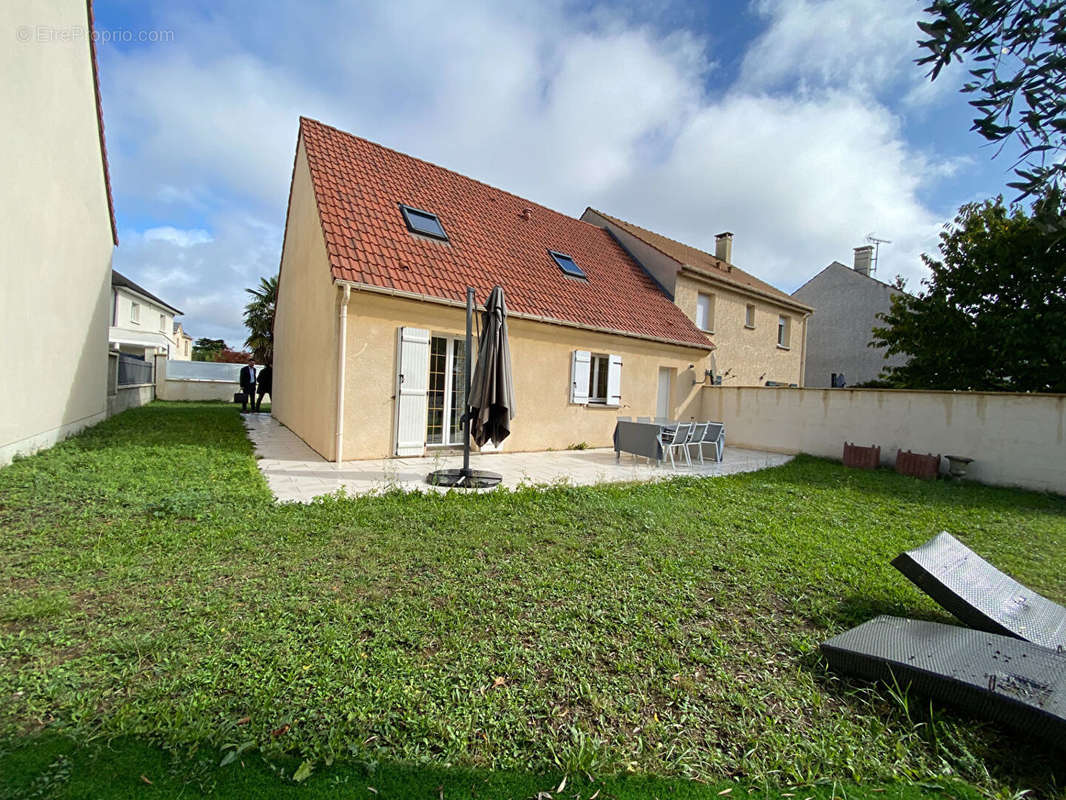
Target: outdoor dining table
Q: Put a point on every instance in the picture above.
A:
(639, 438)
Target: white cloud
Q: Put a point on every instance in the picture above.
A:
(567, 111)
(204, 275)
(861, 44)
(800, 182)
(177, 237)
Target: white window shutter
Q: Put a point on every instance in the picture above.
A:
(580, 363)
(614, 380)
(412, 387)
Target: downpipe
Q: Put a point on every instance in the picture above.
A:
(342, 358)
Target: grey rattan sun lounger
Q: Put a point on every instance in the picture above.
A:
(1018, 683)
(980, 595)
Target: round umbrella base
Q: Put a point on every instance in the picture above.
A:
(464, 478)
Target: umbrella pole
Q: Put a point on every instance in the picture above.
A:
(466, 478)
(466, 379)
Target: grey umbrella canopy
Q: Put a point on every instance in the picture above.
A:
(491, 399)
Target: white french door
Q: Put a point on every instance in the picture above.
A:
(447, 390)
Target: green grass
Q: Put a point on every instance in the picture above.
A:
(152, 593)
(57, 768)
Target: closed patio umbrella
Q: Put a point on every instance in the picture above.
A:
(490, 395)
(491, 399)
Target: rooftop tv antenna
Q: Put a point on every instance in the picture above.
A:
(877, 247)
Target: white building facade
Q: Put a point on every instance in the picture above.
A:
(141, 324)
(58, 230)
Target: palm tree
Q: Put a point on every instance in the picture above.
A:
(259, 319)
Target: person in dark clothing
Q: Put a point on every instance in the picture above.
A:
(266, 379)
(247, 380)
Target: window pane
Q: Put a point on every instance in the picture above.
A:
(598, 378)
(438, 357)
(567, 264)
(601, 378)
(424, 222)
(750, 317)
(703, 312)
(458, 398)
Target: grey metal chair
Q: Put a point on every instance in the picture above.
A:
(695, 439)
(675, 440)
(714, 435)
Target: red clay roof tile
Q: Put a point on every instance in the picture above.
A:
(359, 187)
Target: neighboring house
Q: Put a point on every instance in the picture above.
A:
(57, 225)
(181, 344)
(378, 252)
(846, 302)
(141, 323)
(759, 331)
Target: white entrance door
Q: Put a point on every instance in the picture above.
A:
(447, 391)
(411, 378)
(662, 405)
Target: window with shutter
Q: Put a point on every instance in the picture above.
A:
(614, 380)
(580, 362)
(598, 368)
(412, 385)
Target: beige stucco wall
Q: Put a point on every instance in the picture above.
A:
(305, 324)
(541, 363)
(55, 231)
(1016, 439)
(181, 348)
(751, 356)
(181, 344)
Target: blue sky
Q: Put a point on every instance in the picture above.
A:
(800, 125)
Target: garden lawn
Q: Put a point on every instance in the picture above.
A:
(151, 591)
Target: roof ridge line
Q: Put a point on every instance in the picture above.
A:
(675, 241)
(440, 167)
(652, 245)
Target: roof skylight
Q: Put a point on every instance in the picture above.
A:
(423, 222)
(567, 265)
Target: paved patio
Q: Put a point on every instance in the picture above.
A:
(295, 472)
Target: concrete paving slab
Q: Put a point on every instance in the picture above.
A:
(296, 473)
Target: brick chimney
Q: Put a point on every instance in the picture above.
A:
(864, 259)
(723, 247)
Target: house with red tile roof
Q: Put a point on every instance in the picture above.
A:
(760, 332)
(379, 250)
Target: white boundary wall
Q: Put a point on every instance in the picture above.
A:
(1014, 439)
(196, 381)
